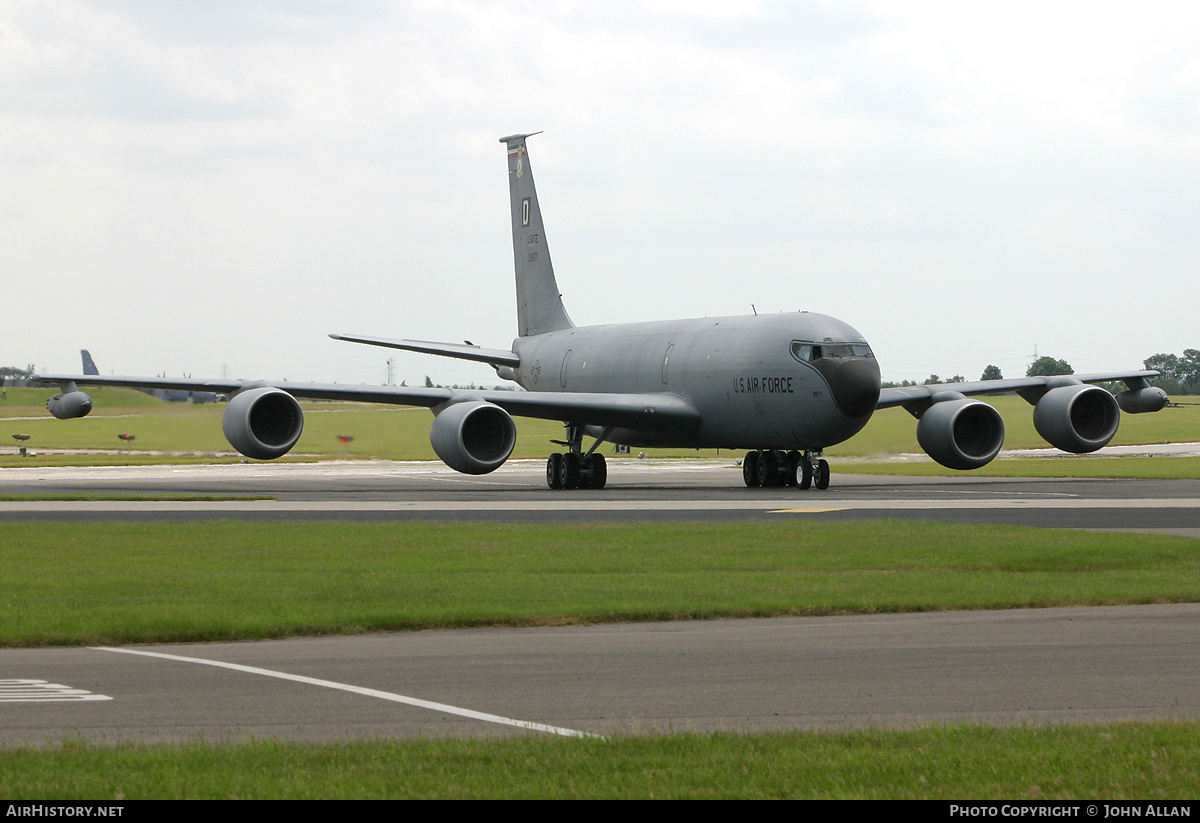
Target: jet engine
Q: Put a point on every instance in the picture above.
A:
(1077, 418)
(263, 423)
(69, 405)
(473, 437)
(1136, 401)
(960, 433)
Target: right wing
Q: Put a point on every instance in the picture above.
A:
(646, 412)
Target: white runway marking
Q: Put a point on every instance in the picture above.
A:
(40, 691)
(329, 684)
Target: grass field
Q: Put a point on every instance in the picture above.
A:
(193, 434)
(129, 583)
(140, 583)
(1152, 761)
(379, 432)
(1161, 468)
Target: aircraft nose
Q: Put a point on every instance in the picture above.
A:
(855, 386)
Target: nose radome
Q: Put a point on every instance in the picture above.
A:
(855, 386)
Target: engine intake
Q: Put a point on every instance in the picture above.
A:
(960, 433)
(473, 437)
(1077, 419)
(263, 423)
(69, 405)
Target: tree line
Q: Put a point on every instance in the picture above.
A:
(1180, 374)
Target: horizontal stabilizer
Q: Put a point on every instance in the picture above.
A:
(496, 357)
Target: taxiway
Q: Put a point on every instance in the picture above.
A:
(997, 668)
(638, 490)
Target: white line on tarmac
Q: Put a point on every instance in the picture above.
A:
(329, 684)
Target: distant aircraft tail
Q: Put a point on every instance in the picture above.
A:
(89, 365)
(539, 304)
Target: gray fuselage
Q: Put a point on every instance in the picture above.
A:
(754, 379)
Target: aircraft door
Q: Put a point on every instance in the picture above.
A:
(562, 375)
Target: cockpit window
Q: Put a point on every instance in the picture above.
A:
(808, 352)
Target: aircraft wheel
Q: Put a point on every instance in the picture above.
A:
(599, 471)
(568, 471)
(768, 470)
(822, 478)
(750, 469)
(585, 472)
(791, 477)
(804, 475)
(553, 468)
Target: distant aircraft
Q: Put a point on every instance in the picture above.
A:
(781, 386)
(89, 365)
(170, 395)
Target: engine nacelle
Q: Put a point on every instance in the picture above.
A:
(69, 405)
(1137, 401)
(961, 433)
(263, 423)
(1077, 418)
(473, 437)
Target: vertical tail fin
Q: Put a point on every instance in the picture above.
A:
(539, 304)
(89, 365)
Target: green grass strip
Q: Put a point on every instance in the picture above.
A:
(1142, 468)
(1152, 761)
(116, 583)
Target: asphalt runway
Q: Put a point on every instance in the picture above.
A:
(1010, 667)
(638, 490)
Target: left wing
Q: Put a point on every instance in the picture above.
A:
(918, 398)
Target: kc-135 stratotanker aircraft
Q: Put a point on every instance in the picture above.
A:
(781, 386)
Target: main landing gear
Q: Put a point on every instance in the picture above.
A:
(576, 469)
(768, 468)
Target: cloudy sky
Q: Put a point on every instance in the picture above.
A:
(212, 187)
